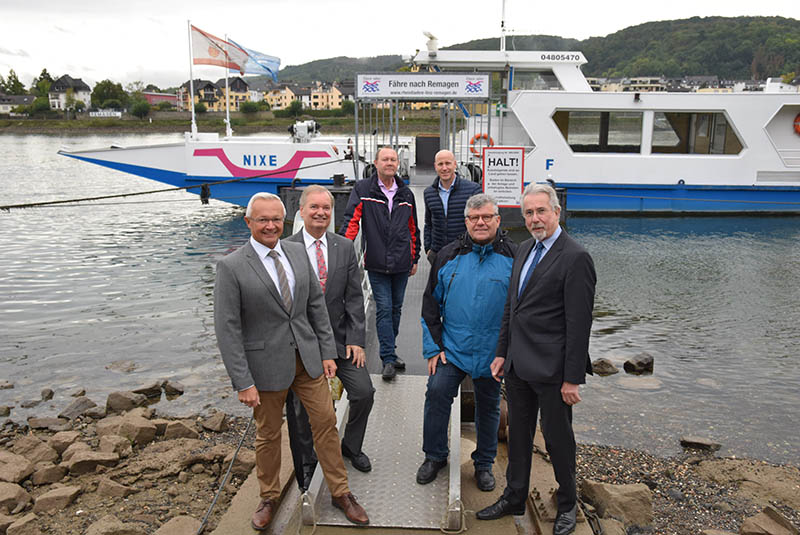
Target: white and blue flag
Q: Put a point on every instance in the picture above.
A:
(258, 63)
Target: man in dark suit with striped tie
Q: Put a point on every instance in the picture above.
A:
(543, 353)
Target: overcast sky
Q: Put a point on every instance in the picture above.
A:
(147, 39)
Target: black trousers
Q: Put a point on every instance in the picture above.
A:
(525, 401)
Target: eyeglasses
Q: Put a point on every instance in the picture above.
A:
(486, 218)
(265, 220)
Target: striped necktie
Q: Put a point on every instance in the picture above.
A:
(286, 293)
(536, 257)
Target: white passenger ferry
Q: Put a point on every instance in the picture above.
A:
(636, 151)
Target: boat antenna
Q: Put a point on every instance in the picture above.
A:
(191, 80)
(228, 130)
(503, 27)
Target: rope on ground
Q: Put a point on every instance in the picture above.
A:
(204, 523)
(42, 204)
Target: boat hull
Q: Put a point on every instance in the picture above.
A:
(233, 169)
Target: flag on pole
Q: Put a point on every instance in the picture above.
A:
(210, 50)
(258, 63)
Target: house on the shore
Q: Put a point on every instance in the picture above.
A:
(154, 98)
(9, 102)
(212, 95)
(66, 91)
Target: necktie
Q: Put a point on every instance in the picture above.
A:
(536, 256)
(321, 267)
(286, 294)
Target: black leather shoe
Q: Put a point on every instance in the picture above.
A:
(399, 364)
(388, 371)
(565, 521)
(359, 460)
(484, 479)
(499, 509)
(427, 472)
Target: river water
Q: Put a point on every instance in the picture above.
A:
(113, 295)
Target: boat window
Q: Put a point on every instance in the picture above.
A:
(694, 133)
(538, 80)
(601, 131)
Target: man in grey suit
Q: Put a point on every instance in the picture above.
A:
(334, 261)
(543, 352)
(274, 334)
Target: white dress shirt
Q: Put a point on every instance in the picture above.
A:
(262, 251)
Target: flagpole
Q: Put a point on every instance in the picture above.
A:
(191, 79)
(228, 129)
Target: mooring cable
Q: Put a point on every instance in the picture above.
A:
(42, 204)
(204, 523)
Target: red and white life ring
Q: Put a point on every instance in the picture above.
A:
(797, 124)
(489, 142)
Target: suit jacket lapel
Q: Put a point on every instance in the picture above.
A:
(333, 257)
(544, 264)
(261, 271)
(516, 274)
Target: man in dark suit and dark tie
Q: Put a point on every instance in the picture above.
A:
(334, 261)
(543, 353)
(273, 333)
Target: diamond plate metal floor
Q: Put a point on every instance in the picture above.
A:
(390, 493)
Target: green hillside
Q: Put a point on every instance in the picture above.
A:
(728, 47)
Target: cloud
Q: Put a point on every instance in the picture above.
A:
(19, 52)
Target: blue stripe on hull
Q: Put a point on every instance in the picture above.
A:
(680, 198)
(234, 192)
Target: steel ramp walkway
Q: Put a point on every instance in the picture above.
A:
(390, 493)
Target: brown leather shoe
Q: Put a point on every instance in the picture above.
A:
(263, 515)
(354, 512)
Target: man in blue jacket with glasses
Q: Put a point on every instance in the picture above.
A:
(462, 309)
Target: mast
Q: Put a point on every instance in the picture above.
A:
(228, 129)
(191, 79)
(503, 28)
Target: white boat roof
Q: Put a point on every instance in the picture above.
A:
(565, 65)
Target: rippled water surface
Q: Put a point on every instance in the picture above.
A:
(82, 289)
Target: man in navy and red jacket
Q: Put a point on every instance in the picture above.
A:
(385, 207)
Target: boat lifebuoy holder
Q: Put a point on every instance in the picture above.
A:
(490, 142)
(797, 124)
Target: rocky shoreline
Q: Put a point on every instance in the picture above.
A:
(121, 468)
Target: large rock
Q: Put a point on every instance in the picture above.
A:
(699, 443)
(96, 413)
(137, 429)
(116, 444)
(111, 489)
(604, 367)
(63, 440)
(74, 448)
(768, 522)
(111, 525)
(180, 429)
(47, 473)
(173, 388)
(180, 525)
(641, 363)
(151, 391)
(14, 468)
(108, 426)
(47, 394)
(24, 526)
(217, 422)
(124, 401)
(34, 450)
(631, 504)
(77, 407)
(5, 521)
(84, 462)
(12, 498)
(244, 463)
(55, 500)
(53, 424)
